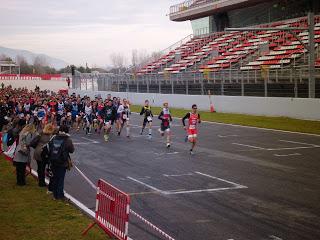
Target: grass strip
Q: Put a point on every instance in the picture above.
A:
(29, 213)
(279, 123)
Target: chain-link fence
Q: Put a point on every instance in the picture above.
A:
(284, 82)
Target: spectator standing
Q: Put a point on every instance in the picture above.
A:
(68, 82)
(60, 147)
(38, 143)
(22, 156)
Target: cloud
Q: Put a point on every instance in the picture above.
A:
(79, 33)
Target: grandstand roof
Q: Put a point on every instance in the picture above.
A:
(194, 9)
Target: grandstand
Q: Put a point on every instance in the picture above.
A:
(248, 63)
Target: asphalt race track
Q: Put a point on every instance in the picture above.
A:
(241, 184)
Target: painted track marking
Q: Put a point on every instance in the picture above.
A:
(302, 143)
(250, 146)
(281, 148)
(220, 179)
(146, 185)
(178, 175)
(287, 155)
(90, 140)
(226, 136)
(182, 191)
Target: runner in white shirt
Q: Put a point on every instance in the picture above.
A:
(124, 112)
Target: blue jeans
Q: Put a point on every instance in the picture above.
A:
(58, 181)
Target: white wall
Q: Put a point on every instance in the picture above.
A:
(300, 108)
(53, 85)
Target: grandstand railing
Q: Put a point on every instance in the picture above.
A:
(189, 4)
(284, 82)
(176, 44)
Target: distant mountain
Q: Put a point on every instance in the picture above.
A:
(29, 56)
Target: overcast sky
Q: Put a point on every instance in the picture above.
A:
(80, 31)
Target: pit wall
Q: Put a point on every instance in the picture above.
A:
(300, 108)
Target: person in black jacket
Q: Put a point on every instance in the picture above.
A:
(166, 118)
(60, 146)
(3, 117)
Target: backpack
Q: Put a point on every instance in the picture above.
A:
(11, 137)
(57, 153)
(45, 153)
(24, 150)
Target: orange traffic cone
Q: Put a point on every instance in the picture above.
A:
(212, 108)
(211, 104)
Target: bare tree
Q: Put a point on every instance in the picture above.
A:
(39, 64)
(134, 58)
(4, 57)
(118, 60)
(143, 57)
(155, 55)
(40, 61)
(25, 68)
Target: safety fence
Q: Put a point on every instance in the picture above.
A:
(112, 205)
(112, 211)
(284, 82)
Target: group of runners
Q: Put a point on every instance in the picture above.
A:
(95, 115)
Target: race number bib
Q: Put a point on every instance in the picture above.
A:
(149, 119)
(192, 127)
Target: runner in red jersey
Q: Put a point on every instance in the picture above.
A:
(194, 119)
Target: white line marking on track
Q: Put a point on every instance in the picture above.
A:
(259, 128)
(90, 140)
(175, 192)
(202, 190)
(288, 148)
(275, 149)
(220, 179)
(313, 145)
(82, 143)
(287, 155)
(275, 237)
(146, 177)
(226, 136)
(172, 153)
(250, 146)
(178, 175)
(147, 185)
(169, 153)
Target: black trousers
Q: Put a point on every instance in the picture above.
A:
(21, 173)
(41, 168)
(58, 181)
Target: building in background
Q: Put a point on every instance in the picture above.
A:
(207, 16)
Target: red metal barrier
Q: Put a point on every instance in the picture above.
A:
(31, 77)
(112, 211)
